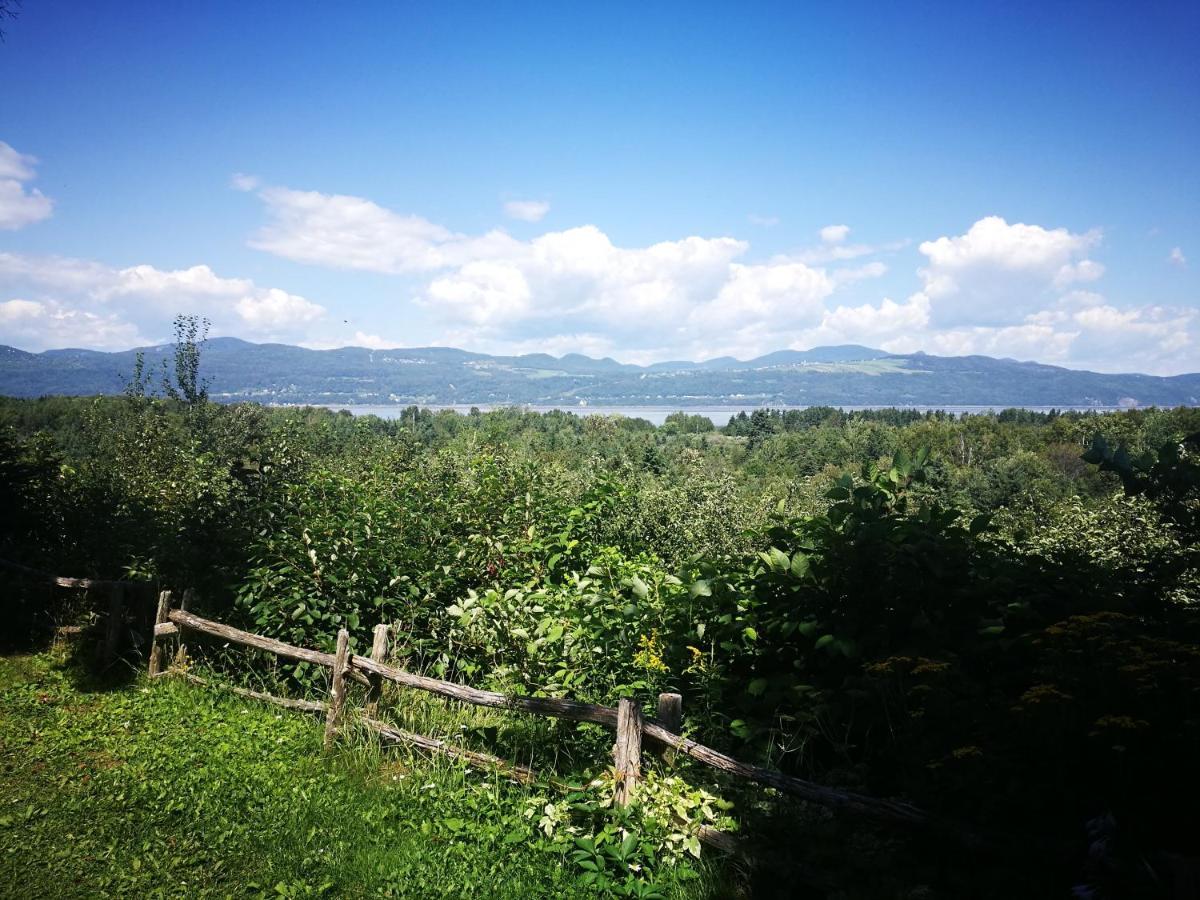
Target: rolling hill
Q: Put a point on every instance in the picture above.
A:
(843, 375)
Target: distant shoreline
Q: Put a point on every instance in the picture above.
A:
(657, 415)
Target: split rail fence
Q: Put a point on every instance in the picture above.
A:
(631, 726)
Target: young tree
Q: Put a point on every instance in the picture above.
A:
(191, 333)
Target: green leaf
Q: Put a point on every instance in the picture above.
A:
(700, 588)
(639, 587)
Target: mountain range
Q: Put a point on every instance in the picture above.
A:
(842, 375)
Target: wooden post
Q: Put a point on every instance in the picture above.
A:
(670, 711)
(186, 603)
(670, 714)
(337, 686)
(379, 648)
(160, 618)
(116, 618)
(627, 753)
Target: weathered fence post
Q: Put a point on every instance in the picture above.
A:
(116, 618)
(670, 714)
(627, 752)
(161, 617)
(379, 648)
(670, 711)
(337, 686)
(185, 604)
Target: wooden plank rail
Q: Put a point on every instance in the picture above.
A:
(872, 807)
(60, 580)
(258, 642)
(538, 706)
(434, 745)
(311, 706)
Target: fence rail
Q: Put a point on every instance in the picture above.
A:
(627, 718)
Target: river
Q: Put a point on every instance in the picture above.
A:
(658, 414)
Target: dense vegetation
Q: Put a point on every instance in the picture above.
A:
(990, 616)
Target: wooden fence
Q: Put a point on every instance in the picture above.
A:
(626, 718)
(121, 597)
(632, 728)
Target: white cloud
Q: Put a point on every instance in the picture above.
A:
(1084, 270)
(16, 166)
(242, 182)
(831, 253)
(997, 289)
(992, 242)
(1177, 258)
(762, 221)
(36, 325)
(20, 206)
(526, 210)
(482, 292)
(121, 305)
(1027, 341)
(890, 325)
(147, 281)
(272, 310)
(997, 272)
(875, 269)
(353, 233)
(1155, 339)
(374, 341)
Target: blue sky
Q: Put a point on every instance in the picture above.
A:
(646, 181)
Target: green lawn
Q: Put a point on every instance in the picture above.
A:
(174, 790)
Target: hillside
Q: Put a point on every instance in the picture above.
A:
(843, 375)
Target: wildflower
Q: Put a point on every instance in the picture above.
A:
(649, 654)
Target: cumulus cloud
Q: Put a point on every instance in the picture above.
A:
(57, 301)
(20, 206)
(42, 325)
(1176, 257)
(687, 296)
(1021, 290)
(997, 271)
(681, 294)
(526, 210)
(834, 234)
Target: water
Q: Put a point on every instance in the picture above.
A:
(658, 414)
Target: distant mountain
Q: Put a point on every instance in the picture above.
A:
(844, 375)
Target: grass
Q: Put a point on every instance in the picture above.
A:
(169, 789)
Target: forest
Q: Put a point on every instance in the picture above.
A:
(991, 617)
